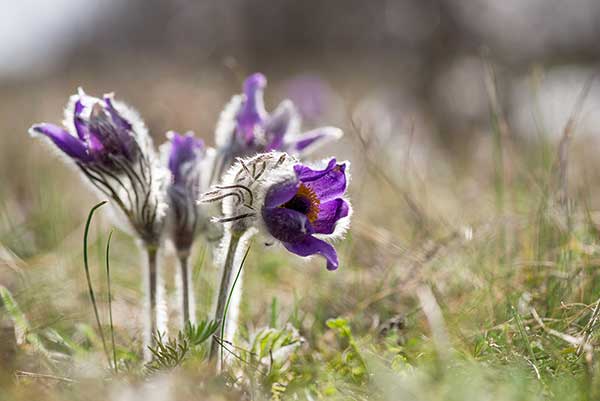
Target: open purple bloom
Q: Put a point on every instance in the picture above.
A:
(246, 128)
(295, 204)
(312, 203)
(110, 145)
(186, 159)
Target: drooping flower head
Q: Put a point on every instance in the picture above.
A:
(187, 162)
(246, 128)
(299, 206)
(110, 145)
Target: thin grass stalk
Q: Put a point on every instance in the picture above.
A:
(89, 280)
(110, 314)
(562, 157)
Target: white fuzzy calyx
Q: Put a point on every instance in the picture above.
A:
(243, 188)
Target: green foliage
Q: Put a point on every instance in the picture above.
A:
(199, 333)
(350, 362)
(169, 353)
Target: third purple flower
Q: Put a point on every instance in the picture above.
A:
(246, 128)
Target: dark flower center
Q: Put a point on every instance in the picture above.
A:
(306, 202)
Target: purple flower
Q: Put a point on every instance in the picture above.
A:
(290, 202)
(185, 155)
(246, 128)
(110, 145)
(97, 132)
(187, 164)
(312, 203)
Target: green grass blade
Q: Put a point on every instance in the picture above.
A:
(88, 278)
(110, 315)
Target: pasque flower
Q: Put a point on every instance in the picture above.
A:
(299, 209)
(110, 145)
(288, 202)
(189, 163)
(246, 128)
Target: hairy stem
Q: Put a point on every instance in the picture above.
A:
(187, 295)
(152, 288)
(153, 315)
(228, 267)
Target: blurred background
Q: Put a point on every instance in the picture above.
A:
(396, 66)
(178, 62)
(400, 64)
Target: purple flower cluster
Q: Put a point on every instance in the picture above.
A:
(111, 146)
(255, 173)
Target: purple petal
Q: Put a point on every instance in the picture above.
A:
(309, 245)
(66, 142)
(280, 193)
(278, 125)
(312, 138)
(114, 114)
(307, 174)
(108, 137)
(285, 224)
(329, 214)
(184, 149)
(327, 184)
(252, 113)
(79, 107)
(254, 82)
(81, 127)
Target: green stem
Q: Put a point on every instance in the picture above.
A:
(151, 311)
(237, 276)
(222, 297)
(185, 288)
